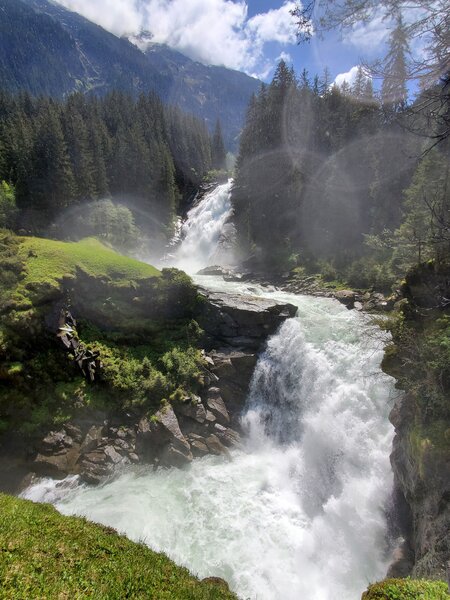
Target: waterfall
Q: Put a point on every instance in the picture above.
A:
(206, 234)
(299, 512)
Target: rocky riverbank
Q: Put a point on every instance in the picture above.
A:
(96, 445)
(418, 320)
(312, 285)
(418, 358)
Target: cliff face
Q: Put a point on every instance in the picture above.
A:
(120, 378)
(422, 475)
(420, 360)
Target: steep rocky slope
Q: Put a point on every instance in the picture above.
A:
(420, 360)
(46, 49)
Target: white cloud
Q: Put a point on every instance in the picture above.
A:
(117, 16)
(276, 25)
(349, 77)
(211, 31)
(370, 37)
(284, 56)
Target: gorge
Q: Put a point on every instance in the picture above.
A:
(300, 508)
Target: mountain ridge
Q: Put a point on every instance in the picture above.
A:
(46, 49)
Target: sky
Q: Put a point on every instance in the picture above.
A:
(250, 36)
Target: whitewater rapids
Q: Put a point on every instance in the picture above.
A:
(299, 512)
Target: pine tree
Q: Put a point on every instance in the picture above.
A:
(51, 182)
(218, 148)
(394, 91)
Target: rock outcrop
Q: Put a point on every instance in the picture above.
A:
(421, 454)
(242, 321)
(422, 481)
(192, 426)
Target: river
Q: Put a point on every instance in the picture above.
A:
(299, 513)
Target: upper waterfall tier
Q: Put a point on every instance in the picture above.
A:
(206, 233)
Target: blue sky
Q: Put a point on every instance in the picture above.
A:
(245, 35)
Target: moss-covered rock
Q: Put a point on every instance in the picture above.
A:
(419, 358)
(138, 318)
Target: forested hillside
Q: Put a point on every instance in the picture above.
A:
(57, 157)
(334, 180)
(46, 49)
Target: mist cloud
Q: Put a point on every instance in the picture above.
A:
(216, 32)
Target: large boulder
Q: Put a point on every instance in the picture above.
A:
(191, 408)
(217, 406)
(242, 321)
(155, 435)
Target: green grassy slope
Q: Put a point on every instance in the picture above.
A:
(127, 310)
(47, 262)
(46, 555)
(407, 589)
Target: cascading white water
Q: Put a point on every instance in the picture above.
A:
(298, 513)
(203, 230)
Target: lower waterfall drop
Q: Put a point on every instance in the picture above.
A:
(299, 511)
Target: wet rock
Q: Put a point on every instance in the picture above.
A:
(242, 321)
(198, 445)
(227, 436)
(192, 408)
(174, 457)
(156, 435)
(214, 270)
(94, 471)
(217, 406)
(215, 446)
(92, 438)
(52, 465)
(402, 562)
(234, 370)
(346, 297)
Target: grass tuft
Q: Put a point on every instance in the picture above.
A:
(46, 555)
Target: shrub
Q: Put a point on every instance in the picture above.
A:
(407, 589)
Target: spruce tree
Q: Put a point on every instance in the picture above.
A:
(394, 91)
(218, 148)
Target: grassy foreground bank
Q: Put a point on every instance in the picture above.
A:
(46, 555)
(407, 589)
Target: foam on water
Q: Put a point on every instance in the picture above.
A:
(298, 513)
(202, 232)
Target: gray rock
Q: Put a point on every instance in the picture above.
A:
(210, 418)
(199, 448)
(213, 270)
(168, 420)
(174, 457)
(242, 320)
(346, 297)
(215, 446)
(227, 436)
(54, 465)
(74, 432)
(192, 408)
(112, 455)
(56, 442)
(92, 438)
(217, 406)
